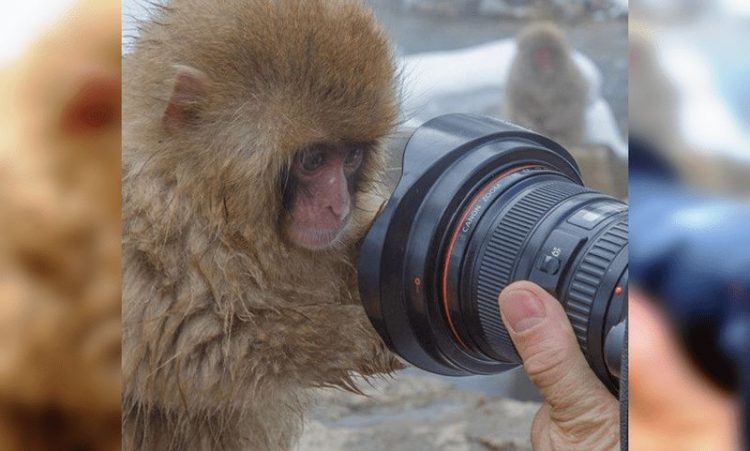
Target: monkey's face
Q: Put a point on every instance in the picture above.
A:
(265, 116)
(319, 194)
(543, 46)
(546, 55)
(546, 59)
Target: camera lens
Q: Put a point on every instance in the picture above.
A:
(529, 223)
(482, 203)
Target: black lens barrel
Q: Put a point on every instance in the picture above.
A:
(482, 203)
(536, 226)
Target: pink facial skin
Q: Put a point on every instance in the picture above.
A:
(545, 59)
(321, 204)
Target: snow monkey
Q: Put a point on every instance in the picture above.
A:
(60, 243)
(653, 101)
(253, 134)
(546, 91)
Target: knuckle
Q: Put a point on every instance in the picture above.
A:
(544, 362)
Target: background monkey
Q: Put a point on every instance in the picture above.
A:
(252, 148)
(545, 91)
(60, 285)
(653, 102)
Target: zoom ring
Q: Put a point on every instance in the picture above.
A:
(589, 275)
(498, 259)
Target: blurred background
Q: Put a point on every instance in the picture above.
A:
(689, 91)
(689, 239)
(458, 56)
(60, 225)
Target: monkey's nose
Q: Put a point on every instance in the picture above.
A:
(340, 211)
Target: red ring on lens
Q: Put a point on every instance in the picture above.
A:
(454, 237)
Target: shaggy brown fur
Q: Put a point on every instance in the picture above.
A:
(60, 241)
(550, 102)
(227, 325)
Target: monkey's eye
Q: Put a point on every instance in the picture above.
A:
(312, 159)
(354, 158)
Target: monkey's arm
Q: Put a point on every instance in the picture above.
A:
(521, 108)
(322, 344)
(196, 358)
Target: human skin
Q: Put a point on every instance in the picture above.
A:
(671, 404)
(578, 411)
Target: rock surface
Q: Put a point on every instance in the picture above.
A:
(415, 413)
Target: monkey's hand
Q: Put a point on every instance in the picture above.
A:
(327, 343)
(308, 346)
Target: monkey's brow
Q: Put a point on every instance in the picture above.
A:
(331, 145)
(364, 145)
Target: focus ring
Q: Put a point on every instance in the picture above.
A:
(588, 278)
(499, 257)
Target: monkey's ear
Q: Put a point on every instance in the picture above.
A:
(189, 97)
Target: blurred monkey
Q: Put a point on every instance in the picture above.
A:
(653, 100)
(252, 152)
(546, 91)
(654, 116)
(60, 237)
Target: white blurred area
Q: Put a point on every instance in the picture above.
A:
(22, 21)
(735, 7)
(706, 119)
(701, 48)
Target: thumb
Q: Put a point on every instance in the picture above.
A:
(544, 338)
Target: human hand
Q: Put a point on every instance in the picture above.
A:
(671, 404)
(578, 412)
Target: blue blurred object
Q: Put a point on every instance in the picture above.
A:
(691, 252)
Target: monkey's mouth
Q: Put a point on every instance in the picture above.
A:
(545, 60)
(314, 239)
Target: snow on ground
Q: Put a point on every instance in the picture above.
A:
(473, 80)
